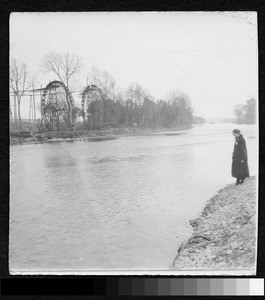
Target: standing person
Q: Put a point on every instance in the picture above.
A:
(240, 158)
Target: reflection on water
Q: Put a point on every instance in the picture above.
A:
(118, 205)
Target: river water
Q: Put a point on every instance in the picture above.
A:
(121, 204)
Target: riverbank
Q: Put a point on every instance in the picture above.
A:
(224, 234)
(91, 135)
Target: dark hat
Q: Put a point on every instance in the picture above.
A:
(237, 131)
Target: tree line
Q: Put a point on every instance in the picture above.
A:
(246, 113)
(131, 107)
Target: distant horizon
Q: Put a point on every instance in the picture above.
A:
(210, 56)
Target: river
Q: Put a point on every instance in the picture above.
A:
(121, 204)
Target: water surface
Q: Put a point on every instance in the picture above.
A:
(121, 204)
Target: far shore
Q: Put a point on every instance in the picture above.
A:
(224, 234)
(90, 135)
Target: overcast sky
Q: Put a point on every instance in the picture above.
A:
(210, 56)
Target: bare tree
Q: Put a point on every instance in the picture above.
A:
(64, 66)
(181, 106)
(94, 76)
(104, 81)
(136, 93)
(108, 84)
(246, 113)
(19, 82)
(239, 111)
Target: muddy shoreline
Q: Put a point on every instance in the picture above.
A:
(90, 135)
(224, 234)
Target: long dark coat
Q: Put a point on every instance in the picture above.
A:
(240, 170)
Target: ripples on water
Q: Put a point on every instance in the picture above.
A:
(114, 159)
(118, 204)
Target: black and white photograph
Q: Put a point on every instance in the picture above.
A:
(133, 143)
